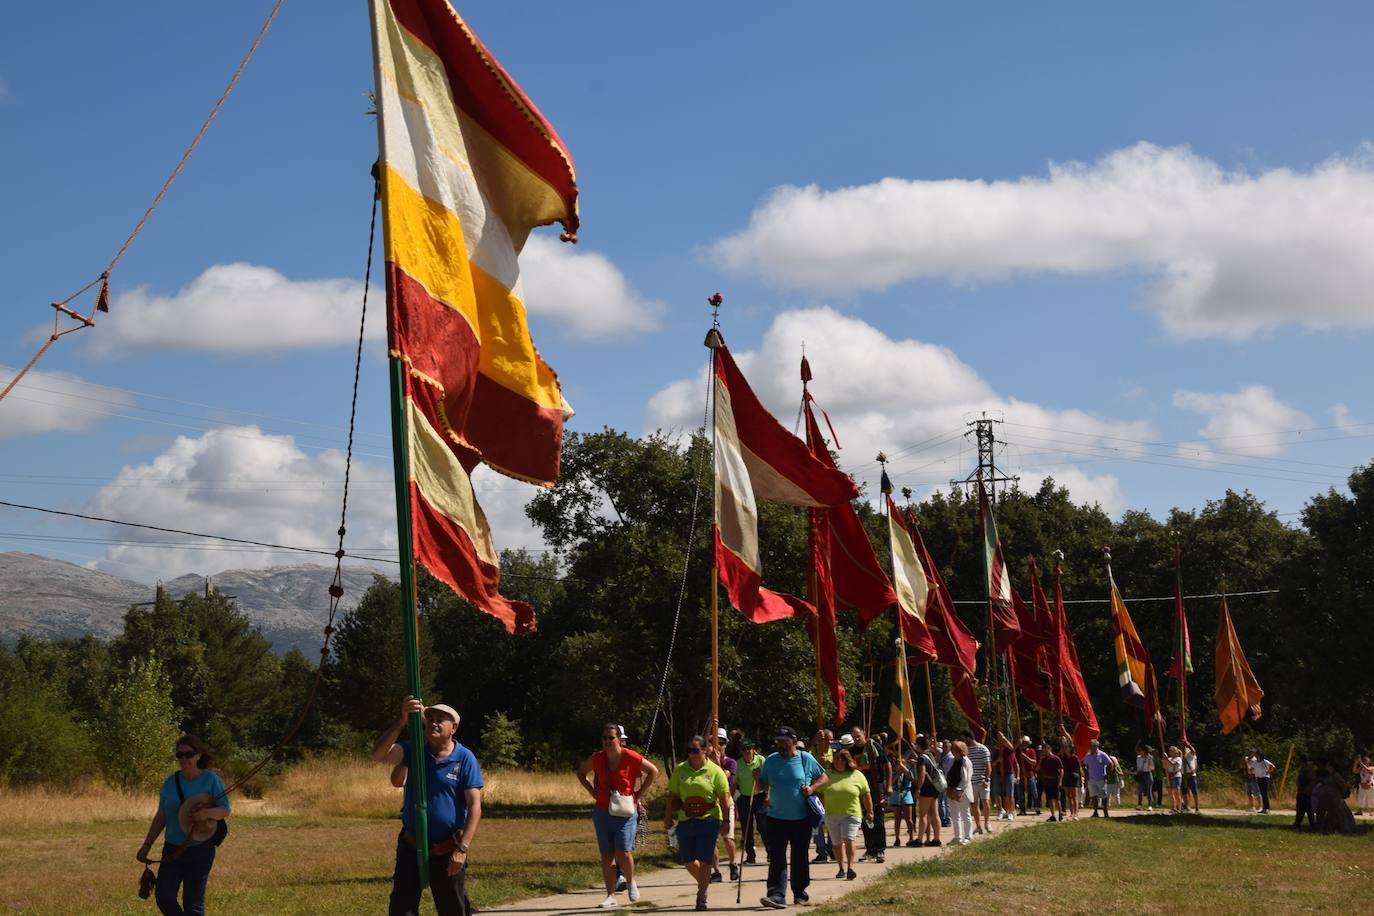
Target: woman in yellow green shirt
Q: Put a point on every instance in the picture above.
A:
(847, 802)
(698, 802)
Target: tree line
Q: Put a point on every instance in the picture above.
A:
(622, 583)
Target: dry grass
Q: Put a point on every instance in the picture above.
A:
(322, 839)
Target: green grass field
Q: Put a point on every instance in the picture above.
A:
(294, 864)
(1147, 864)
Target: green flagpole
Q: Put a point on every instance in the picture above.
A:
(401, 459)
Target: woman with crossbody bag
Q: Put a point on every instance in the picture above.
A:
(192, 807)
(617, 770)
(930, 782)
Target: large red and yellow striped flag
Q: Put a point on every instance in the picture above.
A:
(468, 167)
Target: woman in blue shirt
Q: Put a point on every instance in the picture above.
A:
(187, 859)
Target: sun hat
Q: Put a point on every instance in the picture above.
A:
(846, 740)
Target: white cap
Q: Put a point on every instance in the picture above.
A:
(446, 710)
(720, 733)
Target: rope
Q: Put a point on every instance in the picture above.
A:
(102, 300)
(686, 565)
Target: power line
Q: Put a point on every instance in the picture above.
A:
(982, 602)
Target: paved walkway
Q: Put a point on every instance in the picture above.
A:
(672, 889)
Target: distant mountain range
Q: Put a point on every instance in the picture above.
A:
(53, 599)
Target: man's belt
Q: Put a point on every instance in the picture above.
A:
(442, 848)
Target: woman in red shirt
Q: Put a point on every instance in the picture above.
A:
(617, 770)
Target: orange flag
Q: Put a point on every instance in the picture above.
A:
(1237, 689)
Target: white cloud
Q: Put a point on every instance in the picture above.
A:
(1235, 253)
(1102, 489)
(240, 482)
(1249, 421)
(250, 309)
(46, 402)
(237, 308)
(906, 397)
(1344, 421)
(583, 291)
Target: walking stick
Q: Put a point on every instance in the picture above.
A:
(744, 853)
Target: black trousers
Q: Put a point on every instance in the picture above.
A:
(186, 874)
(1305, 807)
(786, 838)
(1264, 791)
(875, 837)
(449, 891)
(753, 808)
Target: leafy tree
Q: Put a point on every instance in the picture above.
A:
(367, 677)
(138, 726)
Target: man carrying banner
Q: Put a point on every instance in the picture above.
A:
(453, 792)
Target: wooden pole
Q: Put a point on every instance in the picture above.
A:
(401, 462)
(1015, 704)
(930, 701)
(820, 696)
(1283, 783)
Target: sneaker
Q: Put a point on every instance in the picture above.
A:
(1148, 808)
(977, 830)
(1011, 815)
(964, 842)
(1001, 815)
(609, 902)
(801, 900)
(619, 883)
(1094, 813)
(716, 877)
(634, 892)
(818, 860)
(1037, 812)
(880, 859)
(701, 903)
(750, 861)
(934, 843)
(773, 903)
(913, 842)
(839, 875)
(734, 872)
(1106, 813)
(850, 875)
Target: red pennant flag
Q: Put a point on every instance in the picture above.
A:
(966, 697)
(1073, 691)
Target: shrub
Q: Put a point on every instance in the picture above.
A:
(39, 740)
(502, 746)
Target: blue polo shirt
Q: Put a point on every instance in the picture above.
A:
(170, 802)
(445, 783)
(785, 777)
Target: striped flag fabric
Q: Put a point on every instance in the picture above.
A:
(1073, 690)
(1005, 627)
(901, 713)
(468, 167)
(912, 587)
(1134, 674)
(756, 458)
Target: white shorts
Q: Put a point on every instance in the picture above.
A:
(982, 791)
(1097, 788)
(1365, 798)
(842, 827)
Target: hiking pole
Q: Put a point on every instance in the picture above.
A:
(744, 853)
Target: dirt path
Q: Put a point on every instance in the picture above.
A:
(673, 890)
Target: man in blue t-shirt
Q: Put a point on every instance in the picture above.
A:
(791, 777)
(453, 788)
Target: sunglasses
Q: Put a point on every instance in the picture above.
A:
(694, 750)
(609, 737)
(187, 755)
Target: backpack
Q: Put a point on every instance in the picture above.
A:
(934, 775)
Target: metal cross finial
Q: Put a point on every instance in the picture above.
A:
(715, 303)
(906, 493)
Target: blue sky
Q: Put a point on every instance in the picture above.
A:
(1141, 234)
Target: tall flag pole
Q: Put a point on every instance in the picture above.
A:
(1003, 627)
(714, 341)
(1182, 665)
(754, 456)
(1237, 690)
(955, 646)
(467, 167)
(1071, 689)
(844, 570)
